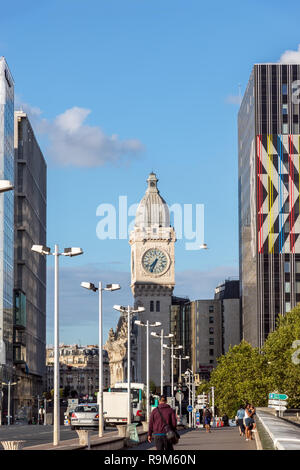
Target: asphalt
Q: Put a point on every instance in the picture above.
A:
(217, 439)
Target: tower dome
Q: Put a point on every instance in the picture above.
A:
(152, 210)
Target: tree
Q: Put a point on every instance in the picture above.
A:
(240, 377)
(282, 352)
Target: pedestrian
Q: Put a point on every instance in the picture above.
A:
(248, 422)
(207, 418)
(240, 415)
(162, 418)
(253, 424)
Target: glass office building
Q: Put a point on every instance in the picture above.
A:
(269, 177)
(6, 216)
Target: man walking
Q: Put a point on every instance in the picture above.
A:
(161, 417)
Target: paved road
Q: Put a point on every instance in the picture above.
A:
(218, 439)
(35, 434)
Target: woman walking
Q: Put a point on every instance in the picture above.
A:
(248, 421)
(240, 415)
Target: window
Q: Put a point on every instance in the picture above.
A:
(158, 306)
(286, 266)
(297, 287)
(211, 352)
(285, 128)
(287, 286)
(151, 306)
(211, 331)
(287, 307)
(284, 109)
(298, 267)
(211, 319)
(211, 341)
(284, 89)
(211, 309)
(211, 361)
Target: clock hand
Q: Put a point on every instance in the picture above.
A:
(153, 265)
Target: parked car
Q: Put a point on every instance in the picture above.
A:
(85, 416)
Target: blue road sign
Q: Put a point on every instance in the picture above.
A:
(190, 408)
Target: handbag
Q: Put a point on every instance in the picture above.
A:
(172, 436)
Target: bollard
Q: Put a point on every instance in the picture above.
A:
(122, 430)
(145, 425)
(84, 437)
(12, 445)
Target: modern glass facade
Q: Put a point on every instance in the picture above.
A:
(30, 268)
(6, 215)
(269, 177)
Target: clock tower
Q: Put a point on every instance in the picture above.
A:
(153, 278)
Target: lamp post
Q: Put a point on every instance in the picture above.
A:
(44, 250)
(100, 289)
(172, 364)
(191, 387)
(147, 325)
(130, 311)
(9, 385)
(161, 336)
(180, 358)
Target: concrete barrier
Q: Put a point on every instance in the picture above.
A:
(284, 435)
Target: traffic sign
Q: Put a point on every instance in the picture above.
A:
(190, 408)
(278, 396)
(277, 402)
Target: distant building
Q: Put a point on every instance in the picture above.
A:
(79, 370)
(206, 328)
(229, 295)
(181, 329)
(29, 329)
(6, 229)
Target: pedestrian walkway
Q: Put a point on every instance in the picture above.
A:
(219, 439)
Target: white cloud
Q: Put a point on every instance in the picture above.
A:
(290, 57)
(72, 142)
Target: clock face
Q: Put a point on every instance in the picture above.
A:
(155, 261)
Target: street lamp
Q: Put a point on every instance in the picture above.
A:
(44, 250)
(172, 363)
(100, 289)
(9, 384)
(147, 324)
(5, 185)
(190, 373)
(161, 336)
(130, 311)
(180, 358)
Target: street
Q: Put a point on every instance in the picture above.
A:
(198, 439)
(37, 434)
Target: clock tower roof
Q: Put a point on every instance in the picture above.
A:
(152, 210)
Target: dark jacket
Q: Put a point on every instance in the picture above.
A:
(156, 424)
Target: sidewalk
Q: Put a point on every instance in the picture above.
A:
(218, 439)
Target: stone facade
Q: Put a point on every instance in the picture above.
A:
(79, 369)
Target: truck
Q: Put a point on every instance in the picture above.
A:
(115, 404)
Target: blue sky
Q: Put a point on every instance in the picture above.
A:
(118, 88)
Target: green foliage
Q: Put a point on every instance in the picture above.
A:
(240, 377)
(152, 387)
(283, 372)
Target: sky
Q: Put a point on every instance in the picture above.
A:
(116, 89)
